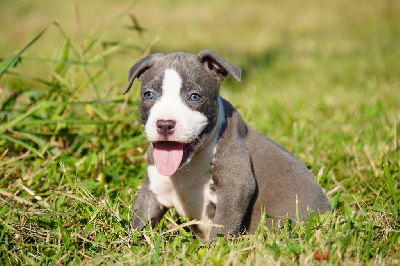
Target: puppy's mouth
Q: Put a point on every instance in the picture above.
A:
(170, 155)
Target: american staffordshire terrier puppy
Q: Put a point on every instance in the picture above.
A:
(204, 160)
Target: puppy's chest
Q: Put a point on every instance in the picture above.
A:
(190, 190)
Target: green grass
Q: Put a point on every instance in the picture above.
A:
(320, 79)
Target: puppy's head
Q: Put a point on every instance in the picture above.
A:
(179, 102)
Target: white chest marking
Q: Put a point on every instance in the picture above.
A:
(189, 189)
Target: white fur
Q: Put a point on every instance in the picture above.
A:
(169, 106)
(189, 189)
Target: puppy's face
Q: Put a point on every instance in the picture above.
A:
(179, 108)
(179, 103)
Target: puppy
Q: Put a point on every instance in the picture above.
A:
(204, 160)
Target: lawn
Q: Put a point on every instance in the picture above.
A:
(320, 78)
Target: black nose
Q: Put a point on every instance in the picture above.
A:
(165, 127)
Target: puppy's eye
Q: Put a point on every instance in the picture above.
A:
(148, 95)
(194, 97)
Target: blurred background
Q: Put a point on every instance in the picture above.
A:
(315, 43)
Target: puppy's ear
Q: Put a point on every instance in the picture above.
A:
(139, 68)
(217, 66)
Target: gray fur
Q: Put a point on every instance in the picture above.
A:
(146, 208)
(137, 69)
(251, 174)
(279, 175)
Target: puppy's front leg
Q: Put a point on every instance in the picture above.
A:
(235, 186)
(146, 209)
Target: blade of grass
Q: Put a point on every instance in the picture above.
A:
(369, 239)
(23, 144)
(62, 64)
(69, 180)
(391, 187)
(309, 225)
(38, 141)
(10, 101)
(66, 121)
(77, 54)
(156, 258)
(328, 168)
(42, 81)
(16, 59)
(17, 120)
(125, 144)
(111, 50)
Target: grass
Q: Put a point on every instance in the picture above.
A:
(322, 82)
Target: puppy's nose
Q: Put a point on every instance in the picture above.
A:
(165, 127)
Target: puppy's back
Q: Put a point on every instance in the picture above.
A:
(280, 178)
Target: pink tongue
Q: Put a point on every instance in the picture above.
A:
(167, 157)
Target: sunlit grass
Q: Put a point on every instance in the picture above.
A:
(322, 80)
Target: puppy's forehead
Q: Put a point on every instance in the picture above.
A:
(187, 66)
